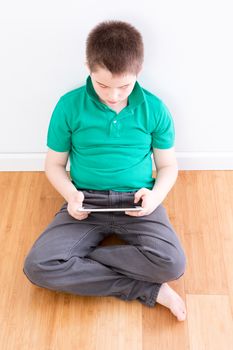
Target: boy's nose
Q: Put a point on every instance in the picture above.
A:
(113, 97)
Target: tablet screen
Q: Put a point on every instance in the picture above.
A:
(131, 208)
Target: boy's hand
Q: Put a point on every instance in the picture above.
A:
(149, 202)
(75, 201)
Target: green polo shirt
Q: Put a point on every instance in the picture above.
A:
(110, 150)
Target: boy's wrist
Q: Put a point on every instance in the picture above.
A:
(165, 179)
(71, 194)
(160, 195)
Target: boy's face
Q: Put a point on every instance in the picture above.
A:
(112, 90)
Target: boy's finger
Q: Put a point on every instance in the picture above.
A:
(131, 213)
(78, 207)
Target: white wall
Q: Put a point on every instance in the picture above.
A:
(188, 64)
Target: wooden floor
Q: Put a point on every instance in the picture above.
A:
(200, 207)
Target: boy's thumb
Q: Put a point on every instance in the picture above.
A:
(139, 194)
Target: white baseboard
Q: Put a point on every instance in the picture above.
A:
(186, 161)
(205, 160)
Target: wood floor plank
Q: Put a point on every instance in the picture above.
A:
(209, 322)
(160, 327)
(196, 220)
(224, 198)
(200, 207)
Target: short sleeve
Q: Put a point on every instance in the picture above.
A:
(59, 133)
(163, 136)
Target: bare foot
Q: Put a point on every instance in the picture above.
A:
(169, 298)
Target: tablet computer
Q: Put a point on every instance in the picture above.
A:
(133, 208)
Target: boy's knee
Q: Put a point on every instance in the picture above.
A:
(31, 268)
(176, 267)
(175, 261)
(173, 268)
(28, 267)
(170, 266)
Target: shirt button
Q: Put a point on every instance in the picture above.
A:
(114, 121)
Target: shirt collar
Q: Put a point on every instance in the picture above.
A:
(135, 98)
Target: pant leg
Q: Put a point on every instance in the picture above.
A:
(154, 253)
(66, 257)
(58, 258)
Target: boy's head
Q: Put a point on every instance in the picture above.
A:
(114, 58)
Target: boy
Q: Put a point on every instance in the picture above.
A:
(109, 128)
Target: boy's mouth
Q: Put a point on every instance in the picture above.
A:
(112, 102)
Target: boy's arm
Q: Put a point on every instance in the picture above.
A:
(167, 171)
(55, 170)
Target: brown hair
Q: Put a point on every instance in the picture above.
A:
(116, 46)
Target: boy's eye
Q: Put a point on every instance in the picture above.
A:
(104, 87)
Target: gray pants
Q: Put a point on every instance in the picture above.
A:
(67, 256)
